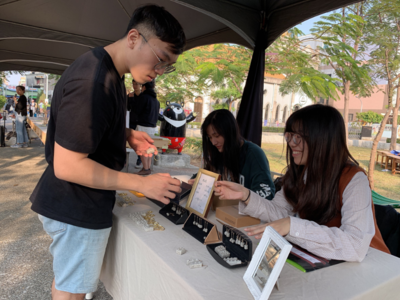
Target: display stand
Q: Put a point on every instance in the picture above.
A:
(237, 243)
(175, 213)
(205, 237)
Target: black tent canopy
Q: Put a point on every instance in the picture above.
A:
(47, 36)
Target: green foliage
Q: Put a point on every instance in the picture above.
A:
(194, 144)
(389, 141)
(273, 129)
(3, 101)
(342, 35)
(183, 85)
(40, 94)
(55, 77)
(369, 117)
(300, 66)
(384, 39)
(220, 106)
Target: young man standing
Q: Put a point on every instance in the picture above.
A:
(85, 147)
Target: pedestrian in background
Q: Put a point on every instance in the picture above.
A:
(33, 108)
(133, 117)
(145, 106)
(20, 119)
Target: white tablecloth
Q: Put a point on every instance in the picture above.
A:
(143, 265)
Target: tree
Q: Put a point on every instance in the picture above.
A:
(342, 35)
(369, 117)
(224, 69)
(3, 101)
(300, 66)
(183, 85)
(384, 40)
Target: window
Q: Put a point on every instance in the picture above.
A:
(321, 100)
(350, 117)
(327, 101)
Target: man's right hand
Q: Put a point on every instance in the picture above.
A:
(160, 187)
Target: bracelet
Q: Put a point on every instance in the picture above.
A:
(247, 197)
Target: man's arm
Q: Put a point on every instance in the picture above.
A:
(78, 168)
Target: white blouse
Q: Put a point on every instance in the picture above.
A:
(350, 242)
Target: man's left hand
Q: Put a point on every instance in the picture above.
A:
(141, 142)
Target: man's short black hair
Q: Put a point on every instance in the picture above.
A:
(150, 85)
(156, 20)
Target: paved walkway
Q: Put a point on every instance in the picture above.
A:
(25, 261)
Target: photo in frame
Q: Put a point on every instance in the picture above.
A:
(266, 264)
(201, 194)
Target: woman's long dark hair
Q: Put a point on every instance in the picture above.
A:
(322, 128)
(227, 162)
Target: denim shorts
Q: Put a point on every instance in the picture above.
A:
(77, 255)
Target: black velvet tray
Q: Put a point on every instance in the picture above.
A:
(211, 236)
(234, 249)
(168, 212)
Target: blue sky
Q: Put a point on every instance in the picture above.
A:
(304, 27)
(307, 25)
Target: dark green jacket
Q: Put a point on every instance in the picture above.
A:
(255, 173)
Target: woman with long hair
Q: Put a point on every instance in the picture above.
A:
(325, 204)
(20, 118)
(225, 152)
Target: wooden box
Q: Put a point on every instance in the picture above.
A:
(230, 215)
(216, 202)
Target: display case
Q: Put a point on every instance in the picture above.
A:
(175, 213)
(236, 244)
(201, 229)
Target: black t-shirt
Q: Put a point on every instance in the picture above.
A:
(144, 109)
(21, 105)
(87, 115)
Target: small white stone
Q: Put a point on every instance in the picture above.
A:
(181, 251)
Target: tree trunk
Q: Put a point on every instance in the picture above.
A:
(346, 108)
(378, 137)
(394, 125)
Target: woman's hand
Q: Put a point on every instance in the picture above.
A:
(282, 226)
(191, 181)
(226, 190)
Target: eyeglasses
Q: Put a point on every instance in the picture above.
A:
(295, 137)
(162, 65)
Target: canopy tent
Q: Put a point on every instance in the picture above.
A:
(47, 36)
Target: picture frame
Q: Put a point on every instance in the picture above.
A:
(267, 263)
(201, 194)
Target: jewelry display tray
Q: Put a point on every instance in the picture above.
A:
(209, 237)
(235, 250)
(172, 215)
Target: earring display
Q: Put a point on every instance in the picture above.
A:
(146, 220)
(233, 261)
(201, 229)
(175, 213)
(181, 251)
(222, 252)
(194, 263)
(234, 251)
(124, 200)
